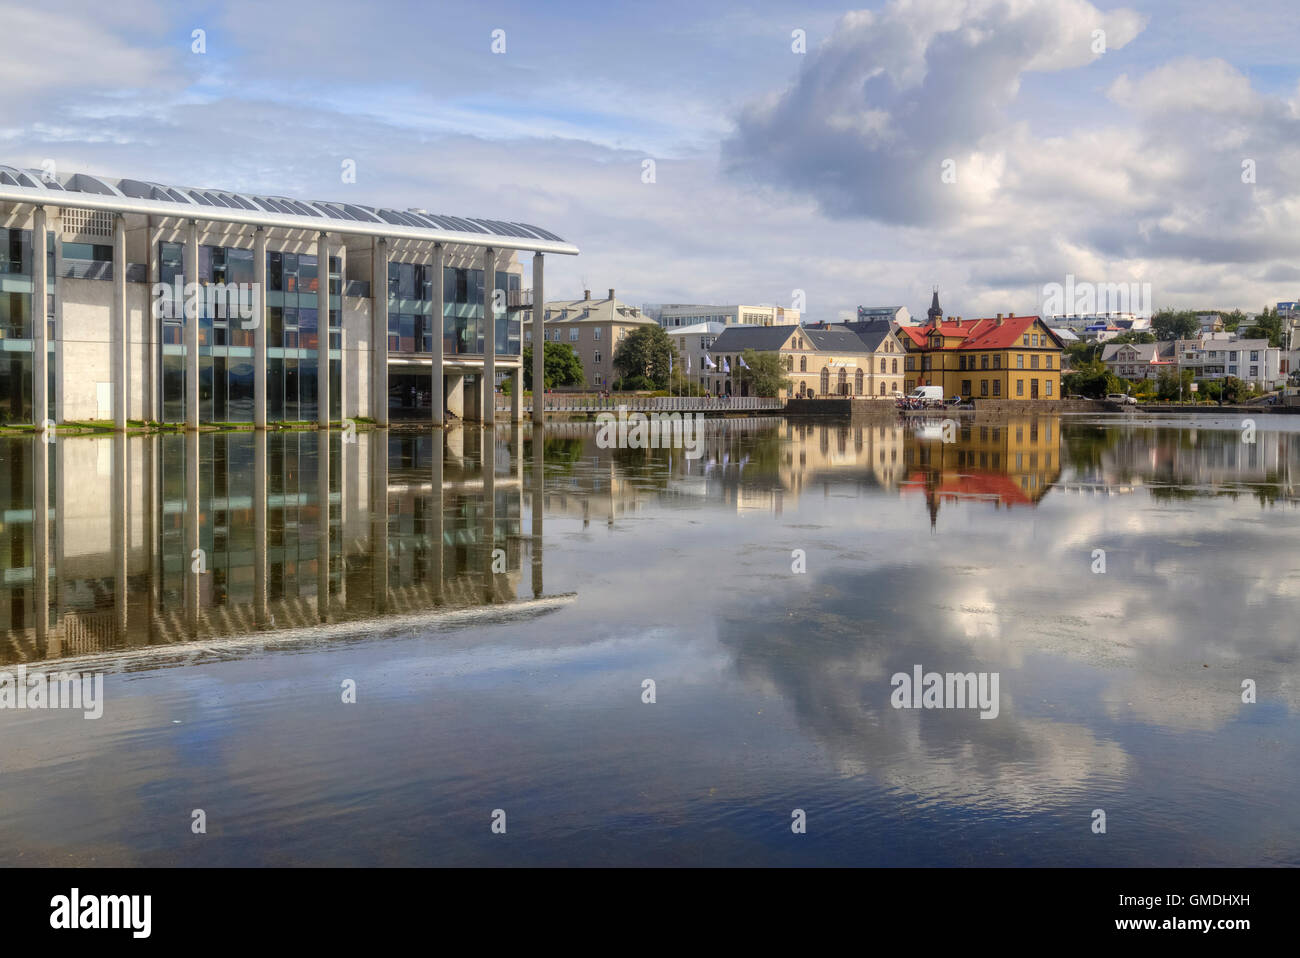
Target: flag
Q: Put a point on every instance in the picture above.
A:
(709, 363)
(688, 364)
(743, 364)
(726, 365)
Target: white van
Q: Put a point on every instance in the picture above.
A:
(927, 395)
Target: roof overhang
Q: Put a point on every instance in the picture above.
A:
(81, 191)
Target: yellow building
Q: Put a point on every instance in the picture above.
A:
(1016, 357)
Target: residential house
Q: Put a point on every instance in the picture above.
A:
(593, 328)
(819, 361)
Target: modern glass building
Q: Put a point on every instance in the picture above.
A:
(178, 305)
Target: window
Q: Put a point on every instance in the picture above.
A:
(1020, 360)
(1020, 387)
(1024, 340)
(965, 387)
(909, 362)
(1034, 339)
(894, 364)
(595, 334)
(984, 388)
(997, 387)
(984, 362)
(857, 382)
(1049, 389)
(573, 334)
(961, 362)
(1048, 362)
(997, 361)
(1033, 361)
(803, 364)
(882, 365)
(596, 356)
(598, 380)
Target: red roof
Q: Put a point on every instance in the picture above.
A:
(975, 333)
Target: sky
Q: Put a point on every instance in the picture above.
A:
(777, 153)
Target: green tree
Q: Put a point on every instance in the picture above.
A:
(1081, 353)
(1091, 379)
(1171, 324)
(646, 351)
(561, 366)
(763, 372)
(1169, 384)
(1133, 336)
(1232, 321)
(1267, 325)
(1234, 390)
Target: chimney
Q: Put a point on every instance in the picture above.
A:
(611, 294)
(586, 294)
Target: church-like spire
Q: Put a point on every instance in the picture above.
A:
(935, 312)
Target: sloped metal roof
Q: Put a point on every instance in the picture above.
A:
(86, 191)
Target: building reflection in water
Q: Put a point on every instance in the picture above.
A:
(768, 465)
(152, 541)
(157, 540)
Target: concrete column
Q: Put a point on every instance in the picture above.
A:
(439, 414)
(538, 502)
(192, 328)
(260, 439)
(120, 527)
(343, 336)
(323, 531)
(517, 393)
(456, 394)
(436, 531)
(539, 342)
(120, 325)
(379, 332)
(150, 515)
(259, 332)
(40, 321)
(193, 579)
(40, 452)
(152, 411)
(488, 412)
(379, 520)
(489, 459)
(322, 329)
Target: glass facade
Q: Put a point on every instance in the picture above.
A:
(226, 371)
(16, 331)
(463, 330)
(227, 375)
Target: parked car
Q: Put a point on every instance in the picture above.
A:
(1122, 398)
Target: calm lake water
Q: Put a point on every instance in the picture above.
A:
(499, 603)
